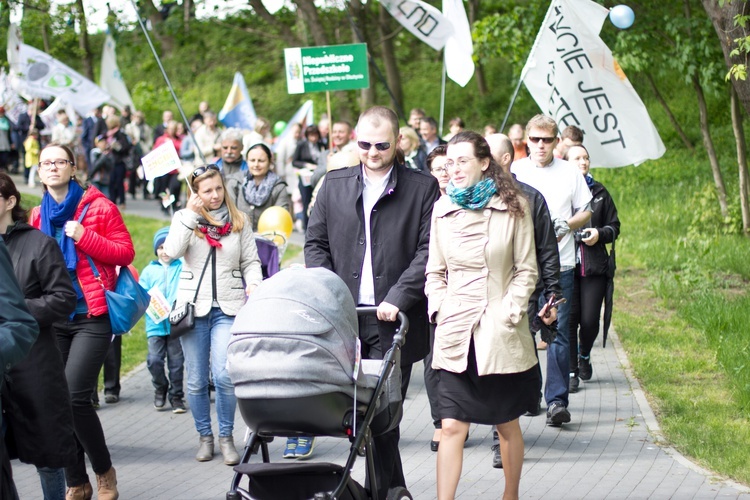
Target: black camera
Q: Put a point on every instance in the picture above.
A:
(581, 234)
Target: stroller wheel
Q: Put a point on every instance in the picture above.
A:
(399, 493)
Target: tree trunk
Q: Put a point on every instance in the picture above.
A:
(389, 58)
(739, 137)
(671, 116)
(283, 30)
(478, 69)
(150, 11)
(83, 42)
(186, 15)
(723, 21)
(360, 34)
(309, 13)
(708, 142)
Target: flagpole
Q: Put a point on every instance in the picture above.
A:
(169, 85)
(330, 120)
(442, 100)
(512, 101)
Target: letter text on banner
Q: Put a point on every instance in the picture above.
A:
(327, 68)
(161, 161)
(422, 20)
(573, 77)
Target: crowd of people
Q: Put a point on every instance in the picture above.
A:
(482, 240)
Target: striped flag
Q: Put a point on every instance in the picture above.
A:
(238, 110)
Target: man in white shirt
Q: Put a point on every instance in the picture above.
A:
(371, 226)
(568, 198)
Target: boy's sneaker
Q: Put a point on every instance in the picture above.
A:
(291, 448)
(160, 400)
(178, 405)
(573, 383)
(584, 368)
(557, 415)
(304, 447)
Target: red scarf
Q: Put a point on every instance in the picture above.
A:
(214, 233)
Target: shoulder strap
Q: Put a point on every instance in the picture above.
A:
(197, 289)
(83, 214)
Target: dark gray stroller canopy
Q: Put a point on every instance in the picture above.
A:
(296, 337)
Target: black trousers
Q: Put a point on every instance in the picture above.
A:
(117, 184)
(585, 311)
(84, 343)
(388, 468)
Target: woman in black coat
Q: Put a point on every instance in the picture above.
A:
(305, 160)
(592, 268)
(35, 397)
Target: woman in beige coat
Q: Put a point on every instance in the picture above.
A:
(480, 274)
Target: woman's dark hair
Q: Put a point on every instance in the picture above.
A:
(265, 149)
(506, 186)
(457, 121)
(440, 150)
(7, 189)
(312, 129)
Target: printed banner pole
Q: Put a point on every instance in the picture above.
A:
(330, 120)
(442, 102)
(512, 102)
(169, 85)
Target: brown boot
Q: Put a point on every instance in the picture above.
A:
(81, 492)
(106, 485)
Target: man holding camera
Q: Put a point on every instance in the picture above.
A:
(568, 200)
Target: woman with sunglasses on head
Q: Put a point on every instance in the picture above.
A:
(211, 234)
(84, 338)
(259, 188)
(35, 398)
(481, 271)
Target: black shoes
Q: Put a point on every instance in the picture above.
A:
(573, 383)
(497, 459)
(584, 368)
(111, 398)
(160, 399)
(434, 445)
(557, 415)
(178, 405)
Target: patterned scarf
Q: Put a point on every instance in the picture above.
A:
(215, 232)
(473, 197)
(589, 180)
(54, 215)
(257, 195)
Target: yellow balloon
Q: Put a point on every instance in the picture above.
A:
(276, 219)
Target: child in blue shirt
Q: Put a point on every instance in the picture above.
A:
(163, 274)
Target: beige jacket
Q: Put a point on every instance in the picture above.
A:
(480, 273)
(237, 265)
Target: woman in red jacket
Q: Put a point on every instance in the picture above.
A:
(84, 339)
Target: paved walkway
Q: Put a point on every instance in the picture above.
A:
(610, 450)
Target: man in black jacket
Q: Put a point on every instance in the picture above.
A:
(547, 256)
(371, 226)
(18, 331)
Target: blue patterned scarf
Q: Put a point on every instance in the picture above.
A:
(55, 215)
(589, 180)
(473, 197)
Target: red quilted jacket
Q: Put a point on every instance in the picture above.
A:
(105, 239)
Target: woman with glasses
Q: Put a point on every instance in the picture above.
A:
(35, 398)
(259, 188)
(480, 273)
(211, 234)
(85, 225)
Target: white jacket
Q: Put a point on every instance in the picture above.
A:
(237, 264)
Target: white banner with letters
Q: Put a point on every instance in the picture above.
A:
(422, 19)
(573, 77)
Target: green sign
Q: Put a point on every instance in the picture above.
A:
(332, 67)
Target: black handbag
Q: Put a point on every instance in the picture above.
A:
(182, 319)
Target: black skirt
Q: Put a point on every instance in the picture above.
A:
(489, 399)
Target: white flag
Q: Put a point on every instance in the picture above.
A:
(41, 75)
(303, 116)
(111, 79)
(573, 77)
(422, 19)
(459, 65)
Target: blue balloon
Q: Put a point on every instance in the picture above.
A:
(622, 16)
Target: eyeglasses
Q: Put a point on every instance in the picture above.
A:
(203, 169)
(546, 140)
(380, 146)
(440, 170)
(48, 164)
(461, 162)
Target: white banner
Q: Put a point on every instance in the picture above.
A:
(303, 116)
(41, 75)
(161, 161)
(111, 79)
(422, 19)
(574, 78)
(459, 66)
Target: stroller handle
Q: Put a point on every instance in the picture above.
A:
(403, 321)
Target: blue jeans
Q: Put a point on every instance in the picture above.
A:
(53, 482)
(558, 353)
(205, 349)
(159, 348)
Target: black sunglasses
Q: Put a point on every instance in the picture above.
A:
(546, 140)
(203, 169)
(380, 146)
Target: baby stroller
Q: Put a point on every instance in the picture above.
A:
(294, 361)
